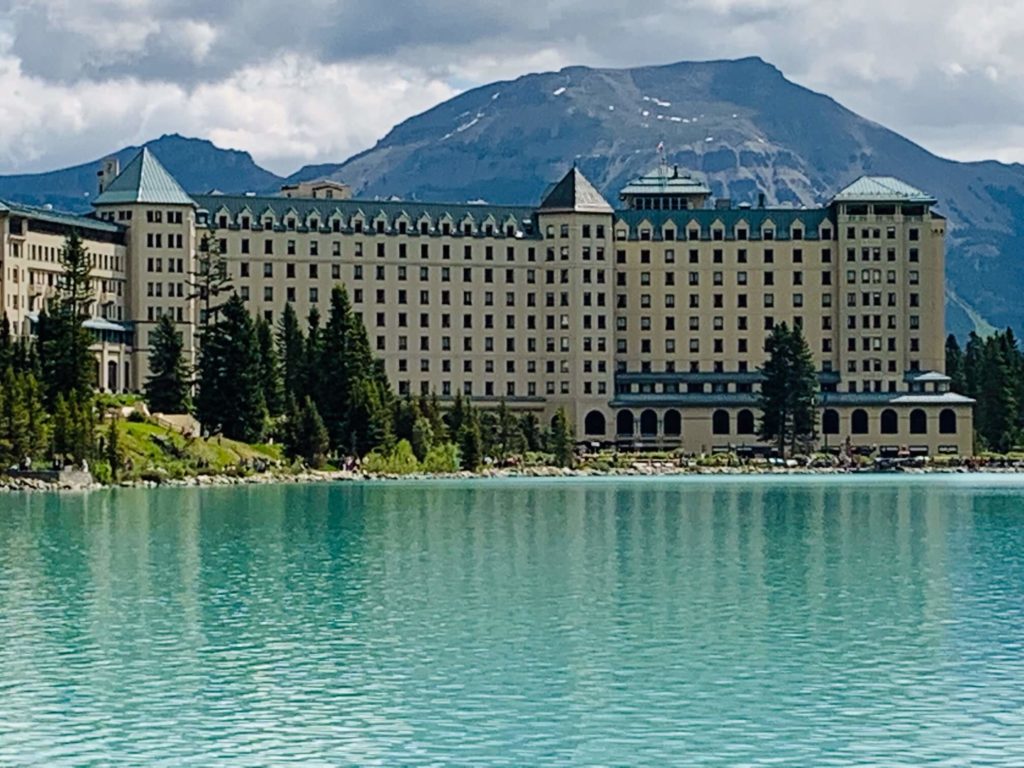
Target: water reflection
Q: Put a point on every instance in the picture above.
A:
(655, 622)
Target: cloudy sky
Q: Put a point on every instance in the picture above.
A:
(316, 81)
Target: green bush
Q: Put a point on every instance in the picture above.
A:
(442, 459)
(400, 461)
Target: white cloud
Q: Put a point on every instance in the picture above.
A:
(286, 112)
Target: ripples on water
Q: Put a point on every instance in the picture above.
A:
(521, 624)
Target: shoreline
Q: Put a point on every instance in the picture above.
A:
(10, 484)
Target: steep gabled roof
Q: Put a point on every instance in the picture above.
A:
(144, 180)
(575, 193)
(882, 188)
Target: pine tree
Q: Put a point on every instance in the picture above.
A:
(955, 365)
(509, 438)
(270, 368)
(422, 437)
(562, 439)
(305, 435)
(230, 393)
(67, 363)
(292, 345)
(370, 421)
(167, 386)
(529, 425)
(470, 440)
(113, 448)
(210, 280)
(338, 367)
(788, 388)
(314, 380)
(431, 409)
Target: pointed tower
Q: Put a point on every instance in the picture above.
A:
(575, 194)
(576, 342)
(161, 221)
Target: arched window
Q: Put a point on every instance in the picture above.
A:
(594, 424)
(648, 423)
(890, 423)
(859, 422)
(918, 422)
(830, 422)
(745, 422)
(673, 423)
(720, 422)
(112, 375)
(947, 422)
(624, 423)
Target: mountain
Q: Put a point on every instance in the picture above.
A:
(741, 123)
(196, 163)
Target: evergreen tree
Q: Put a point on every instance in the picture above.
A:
(305, 435)
(314, 378)
(340, 369)
(422, 437)
(369, 423)
(167, 386)
(67, 363)
(562, 439)
(529, 426)
(456, 416)
(210, 280)
(406, 415)
(292, 345)
(270, 368)
(74, 426)
(955, 365)
(787, 399)
(430, 408)
(230, 392)
(508, 433)
(113, 448)
(470, 441)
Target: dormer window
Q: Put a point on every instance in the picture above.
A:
(670, 233)
(268, 223)
(768, 233)
(798, 233)
(222, 222)
(402, 227)
(245, 222)
(379, 227)
(693, 234)
(467, 229)
(290, 223)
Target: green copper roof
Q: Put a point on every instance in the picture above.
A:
(868, 189)
(144, 180)
(575, 193)
(665, 180)
(52, 216)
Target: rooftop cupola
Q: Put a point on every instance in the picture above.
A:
(665, 189)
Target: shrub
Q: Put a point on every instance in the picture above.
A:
(442, 459)
(400, 461)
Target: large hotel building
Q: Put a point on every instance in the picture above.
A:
(647, 322)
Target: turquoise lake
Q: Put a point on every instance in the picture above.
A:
(759, 621)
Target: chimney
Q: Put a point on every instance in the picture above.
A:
(760, 200)
(723, 203)
(675, 171)
(109, 170)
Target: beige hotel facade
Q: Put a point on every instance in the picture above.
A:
(646, 321)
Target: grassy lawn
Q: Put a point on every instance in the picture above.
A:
(154, 450)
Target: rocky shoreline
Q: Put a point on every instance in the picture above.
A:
(638, 469)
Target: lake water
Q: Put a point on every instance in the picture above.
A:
(655, 622)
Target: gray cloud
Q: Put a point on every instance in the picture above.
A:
(944, 75)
